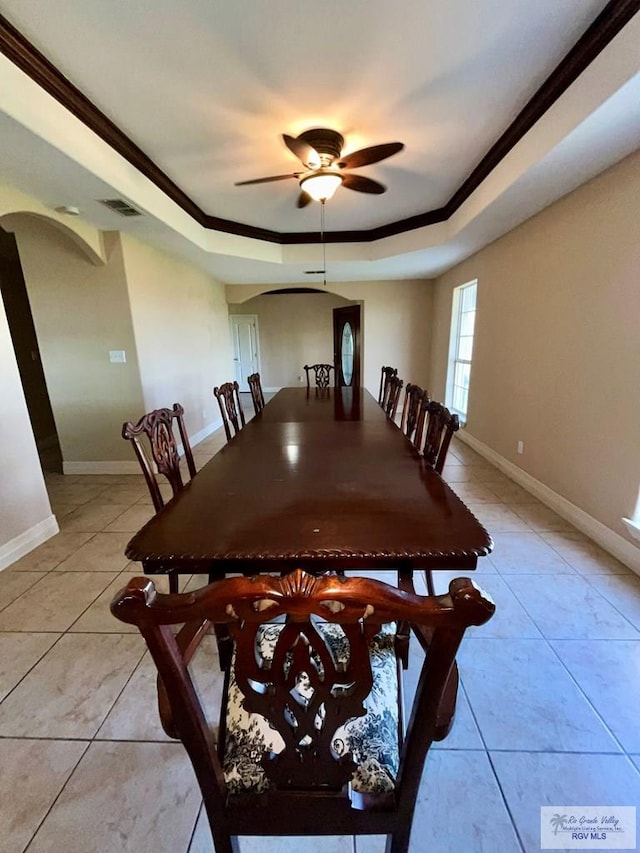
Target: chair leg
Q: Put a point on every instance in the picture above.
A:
(225, 646)
(174, 579)
(398, 842)
(447, 709)
(428, 576)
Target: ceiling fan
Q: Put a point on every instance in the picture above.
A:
(320, 151)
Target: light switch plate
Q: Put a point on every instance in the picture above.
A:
(117, 356)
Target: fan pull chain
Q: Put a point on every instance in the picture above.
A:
(324, 245)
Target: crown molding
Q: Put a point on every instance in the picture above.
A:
(613, 18)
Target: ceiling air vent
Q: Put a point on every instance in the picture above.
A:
(120, 206)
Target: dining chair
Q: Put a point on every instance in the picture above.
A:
(414, 413)
(228, 397)
(312, 739)
(440, 427)
(257, 397)
(322, 374)
(386, 374)
(392, 397)
(160, 449)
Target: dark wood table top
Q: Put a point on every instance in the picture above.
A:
(320, 480)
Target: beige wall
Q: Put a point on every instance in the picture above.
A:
(181, 327)
(23, 496)
(396, 320)
(557, 347)
(81, 311)
(295, 329)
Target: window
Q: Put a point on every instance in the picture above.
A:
(461, 347)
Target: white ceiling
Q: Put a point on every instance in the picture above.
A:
(206, 90)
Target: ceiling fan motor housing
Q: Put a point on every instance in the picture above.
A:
(325, 141)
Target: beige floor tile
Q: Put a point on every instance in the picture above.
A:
(92, 517)
(55, 602)
(74, 493)
(165, 490)
(454, 474)
(526, 553)
(33, 773)
(124, 796)
(552, 778)
(522, 698)
(201, 841)
(475, 492)
(107, 479)
(511, 492)
(52, 552)
(483, 825)
(541, 517)
(71, 690)
(497, 517)
(122, 494)
(510, 619)
(62, 510)
(296, 844)
(18, 653)
(583, 554)
(98, 618)
(188, 584)
(608, 672)
(489, 475)
(13, 584)
(104, 552)
(132, 519)
(201, 460)
(623, 591)
(135, 714)
(566, 607)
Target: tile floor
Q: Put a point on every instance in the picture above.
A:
(547, 711)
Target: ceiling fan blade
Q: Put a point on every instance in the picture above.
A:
(303, 151)
(303, 199)
(366, 156)
(265, 180)
(363, 185)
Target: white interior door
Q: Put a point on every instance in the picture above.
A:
(244, 333)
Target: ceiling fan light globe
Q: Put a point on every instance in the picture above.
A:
(321, 185)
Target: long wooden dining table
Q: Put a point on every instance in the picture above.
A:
(320, 479)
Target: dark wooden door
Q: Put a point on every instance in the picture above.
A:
(346, 346)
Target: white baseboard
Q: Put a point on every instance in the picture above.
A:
(131, 466)
(205, 432)
(27, 541)
(608, 539)
(119, 467)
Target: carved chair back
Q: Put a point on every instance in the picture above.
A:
(414, 412)
(392, 396)
(386, 374)
(441, 425)
(228, 397)
(310, 738)
(322, 374)
(257, 396)
(158, 429)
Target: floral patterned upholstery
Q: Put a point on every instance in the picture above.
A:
(372, 739)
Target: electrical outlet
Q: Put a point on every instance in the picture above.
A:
(299, 378)
(521, 447)
(117, 356)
